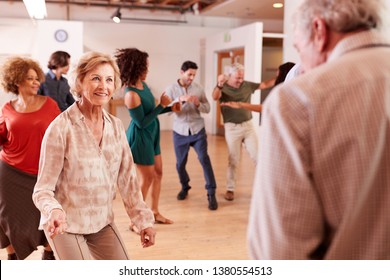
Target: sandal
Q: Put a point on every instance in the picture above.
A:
(160, 219)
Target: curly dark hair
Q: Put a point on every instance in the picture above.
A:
(14, 72)
(132, 64)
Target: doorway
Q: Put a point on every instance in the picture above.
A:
(272, 57)
(225, 59)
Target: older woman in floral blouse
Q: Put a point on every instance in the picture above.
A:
(84, 157)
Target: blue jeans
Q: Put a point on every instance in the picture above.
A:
(182, 146)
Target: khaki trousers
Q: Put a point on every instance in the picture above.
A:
(235, 136)
(105, 244)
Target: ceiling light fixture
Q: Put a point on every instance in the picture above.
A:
(277, 5)
(36, 8)
(195, 8)
(116, 17)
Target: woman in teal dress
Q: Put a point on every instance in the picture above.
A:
(143, 133)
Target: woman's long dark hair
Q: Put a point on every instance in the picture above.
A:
(283, 71)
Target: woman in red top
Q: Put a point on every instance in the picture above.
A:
(23, 122)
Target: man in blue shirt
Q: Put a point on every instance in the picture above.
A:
(189, 130)
(56, 85)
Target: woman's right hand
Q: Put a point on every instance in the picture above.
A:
(165, 100)
(56, 223)
(148, 237)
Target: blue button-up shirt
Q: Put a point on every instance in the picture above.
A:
(58, 90)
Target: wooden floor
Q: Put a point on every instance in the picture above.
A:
(197, 232)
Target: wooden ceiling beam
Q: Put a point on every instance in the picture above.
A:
(211, 6)
(190, 3)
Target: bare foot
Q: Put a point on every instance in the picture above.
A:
(160, 219)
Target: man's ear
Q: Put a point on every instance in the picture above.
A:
(320, 34)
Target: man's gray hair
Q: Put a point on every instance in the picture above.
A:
(235, 67)
(340, 15)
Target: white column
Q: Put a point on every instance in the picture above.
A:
(289, 52)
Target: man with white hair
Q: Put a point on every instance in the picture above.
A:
(237, 121)
(322, 187)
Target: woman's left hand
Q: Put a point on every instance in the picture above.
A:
(176, 107)
(232, 104)
(148, 236)
(56, 223)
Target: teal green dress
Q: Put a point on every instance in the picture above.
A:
(143, 133)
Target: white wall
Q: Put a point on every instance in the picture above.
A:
(168, 46)
(44, 42)
(386, 29)
(14, 29)
(36, 40)
(289, 53)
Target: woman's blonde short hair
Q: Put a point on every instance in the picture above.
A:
(88, 62)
